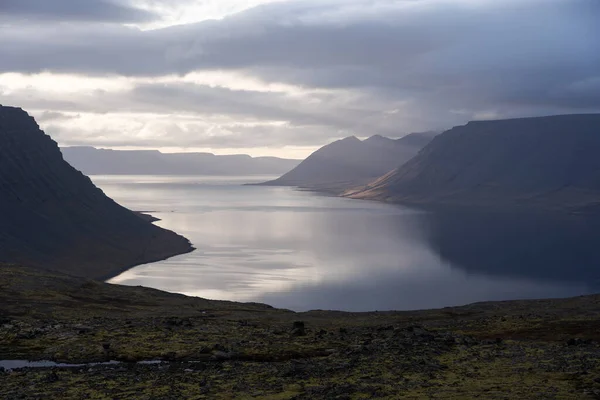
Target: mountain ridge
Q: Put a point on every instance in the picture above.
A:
(350, 161)
(98, 161)
(548, 162)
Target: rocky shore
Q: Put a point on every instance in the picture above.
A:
(214, 349)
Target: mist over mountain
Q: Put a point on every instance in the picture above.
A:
(53, 217)
(93, 161)
(547, 162)
(350, 161)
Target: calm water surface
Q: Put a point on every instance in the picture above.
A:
(297, 250)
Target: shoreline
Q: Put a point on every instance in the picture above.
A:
(586, 210)
(146, 216)
(151, 219)
(122, 270)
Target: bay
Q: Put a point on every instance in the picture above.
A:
(302, 251)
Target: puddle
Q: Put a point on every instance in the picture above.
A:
(17, 364)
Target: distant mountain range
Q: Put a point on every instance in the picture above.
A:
(93, 161)
(350, 162)
(547, 162)
(53, 217)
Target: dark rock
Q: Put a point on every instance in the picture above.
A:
(416, 329)
(298, 329)
(82, 330)
(385, 328)
(295, 369)
(183, 322)
(219, 347)
(578, 342)
(468, 341)
(52, 377)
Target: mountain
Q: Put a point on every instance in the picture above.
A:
(93, 161)
(545, 162)
(350, 161)
(52, 216)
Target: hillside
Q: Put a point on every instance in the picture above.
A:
(546, 162)
(350, 161)
(93, 161)
(54, 217)
(224, 350)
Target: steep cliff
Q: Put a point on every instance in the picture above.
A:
(52, 216)
(545, 162)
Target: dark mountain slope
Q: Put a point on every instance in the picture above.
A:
(94, 161)
(53, 216)
(544, 162)
(350, 162)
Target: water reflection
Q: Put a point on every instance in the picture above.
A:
(540, 246)
(296, 250)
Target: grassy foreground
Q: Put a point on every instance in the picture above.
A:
(543, 349)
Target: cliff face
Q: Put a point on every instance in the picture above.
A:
(52, 216)
(350, 161)
(546, 162)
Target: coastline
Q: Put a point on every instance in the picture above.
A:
(585, 210)
(150, 260)
(161, 257)
(146, 216)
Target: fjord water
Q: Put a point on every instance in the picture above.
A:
(298, 250)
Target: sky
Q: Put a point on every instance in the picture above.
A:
(284, 77)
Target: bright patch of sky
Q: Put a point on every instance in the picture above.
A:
(180, 12)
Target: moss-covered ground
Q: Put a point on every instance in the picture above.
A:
(543, 349)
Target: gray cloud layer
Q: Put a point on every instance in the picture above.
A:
(441, 62)
(73, 10)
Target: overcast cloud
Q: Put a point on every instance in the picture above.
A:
(295, 73)
(73, 10)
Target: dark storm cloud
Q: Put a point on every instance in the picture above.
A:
(72, 10)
